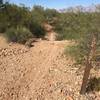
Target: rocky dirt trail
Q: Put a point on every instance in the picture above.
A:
(39, 73)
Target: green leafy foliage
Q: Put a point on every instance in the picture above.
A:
(37, 29)
(38, 14)
(11, 34)
(20, 35)
(93, 84)
(74, 25)
(16, 16)
(71, 25)
(89, 26)
(51, 16)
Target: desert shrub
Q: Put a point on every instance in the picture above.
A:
(20, 35)
(75, 53)
(38, 14)
(78, 51)
(2, 28)
(37, 29)
(67, 36)
(93, 84)
(11, 34)
(13, 16)
(74, 25)
(3, 21)
(51, 16)
(70, 26)
(88, 48)
(23, 34)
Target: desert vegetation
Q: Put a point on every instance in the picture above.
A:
(13, 16)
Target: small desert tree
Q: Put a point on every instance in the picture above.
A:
(90, 58)
(90, 46)
(87, 50)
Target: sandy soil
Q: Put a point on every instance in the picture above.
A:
(3, 41)
(39, 73)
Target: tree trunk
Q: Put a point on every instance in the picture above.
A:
(88, 65)
(85, 78)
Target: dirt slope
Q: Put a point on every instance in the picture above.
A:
(39, 73)
(3, 41)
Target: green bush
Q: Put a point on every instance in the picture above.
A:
(93, 84)
(20, 35)
(11, 34)
(2, 28)
(67, 36)
(76, 53)
(23, 34)
(37, 30)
